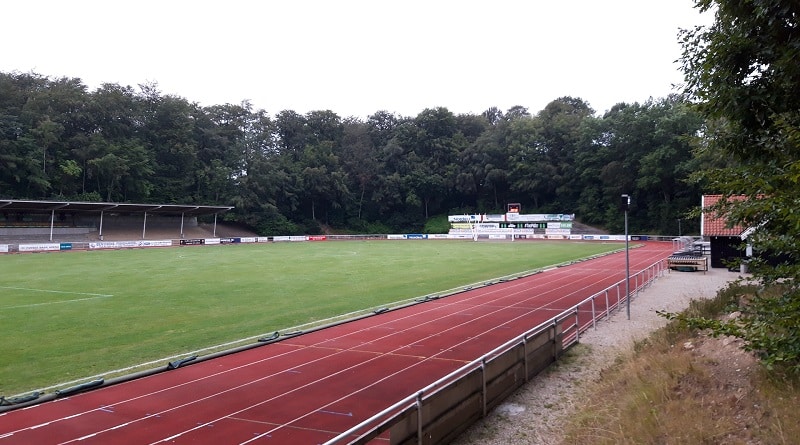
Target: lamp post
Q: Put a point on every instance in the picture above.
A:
(625, 204)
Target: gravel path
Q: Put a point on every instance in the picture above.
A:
(536, 413)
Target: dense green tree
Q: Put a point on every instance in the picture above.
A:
(222, 151)
(382, 126)
(431, 149)
(323, 126)
(742, 72)
(360, 161)
(322, 180)
(560, 126)
(643, 150)
(662, 169)
(292, 133)
(170, 129)
(530, 173)
(493, 115)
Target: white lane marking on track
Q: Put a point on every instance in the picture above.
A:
(324, 411)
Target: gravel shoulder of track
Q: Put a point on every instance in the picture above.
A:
(537, 412)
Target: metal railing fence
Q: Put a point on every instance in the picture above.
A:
(428, 417)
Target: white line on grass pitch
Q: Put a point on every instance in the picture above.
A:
(56, 291)
(90, 296)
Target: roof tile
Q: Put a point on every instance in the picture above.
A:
(712, 224)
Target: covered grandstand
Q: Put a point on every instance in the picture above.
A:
(20, 219)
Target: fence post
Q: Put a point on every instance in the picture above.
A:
(555, 337)
(419, 418)
(594, 315)
(483, 377)
(525, 355)
(607, 307)
(637, 284)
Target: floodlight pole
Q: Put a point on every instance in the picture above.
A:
(626, 202)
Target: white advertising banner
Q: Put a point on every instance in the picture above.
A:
(3, 248)
(464, 218)
(604, 237)
(518, 231)
(534, 217)
(129, 244)
(39, 247)
(494, 218)
(290, 238)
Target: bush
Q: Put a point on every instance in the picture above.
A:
(278, 226)
(437, 224)
(309, 227)
(403, 223)
(769, 322)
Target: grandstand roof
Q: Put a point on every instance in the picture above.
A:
(165, 209)
(712, 224)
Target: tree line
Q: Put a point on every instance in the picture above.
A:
(292, 173)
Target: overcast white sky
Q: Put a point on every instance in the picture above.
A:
(356, 57)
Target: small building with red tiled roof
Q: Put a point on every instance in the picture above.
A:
(725, 240)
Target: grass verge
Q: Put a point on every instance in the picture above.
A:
(684, 387)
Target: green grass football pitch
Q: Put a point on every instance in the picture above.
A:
(74, 315)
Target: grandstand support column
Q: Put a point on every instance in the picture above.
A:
(215, 225)
(53, 218)
(182, 213)
(100, 233)
(144, 225)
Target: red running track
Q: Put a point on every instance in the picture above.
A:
(308, 389)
